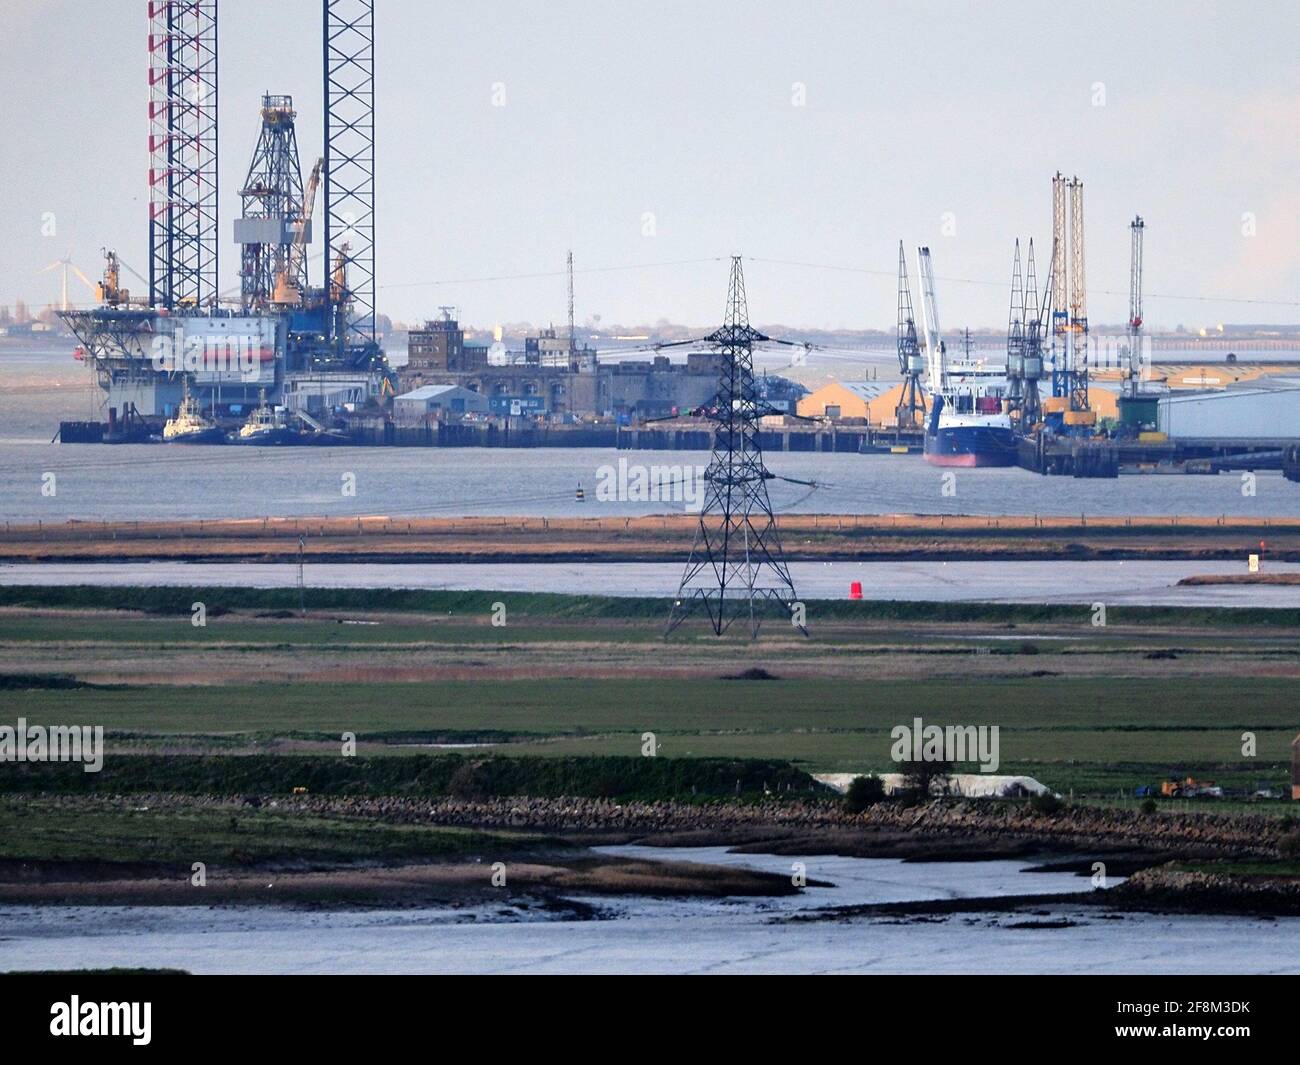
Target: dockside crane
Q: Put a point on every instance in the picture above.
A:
(1069, 302)
(1078, 302)
(1136, 229)
(935, 351)
(293, 266)
(911, 404)
(1031, 403)
(1016, 340)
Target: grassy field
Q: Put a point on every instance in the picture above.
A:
(1153, 695)
(1061, 730)
(41, 830)
(550, 607)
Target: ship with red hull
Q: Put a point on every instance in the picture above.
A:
(979, 438)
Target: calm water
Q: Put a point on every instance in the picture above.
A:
(142, 482)
(664, 936)
(139, 482)
(1116, 583)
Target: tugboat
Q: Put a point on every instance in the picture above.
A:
(265, 426)
(188, 426)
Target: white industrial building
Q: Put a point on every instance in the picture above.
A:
(1233, 414)
(437, 400)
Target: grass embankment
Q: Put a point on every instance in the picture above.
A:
(417, 776)
(559, 608)
(47, 831)
(105, 851)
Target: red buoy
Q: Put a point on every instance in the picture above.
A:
(855, 590)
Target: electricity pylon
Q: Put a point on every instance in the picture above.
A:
(736, 568)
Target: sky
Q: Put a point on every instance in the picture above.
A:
(657, 139)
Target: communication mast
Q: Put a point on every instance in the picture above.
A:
(572, 342)
(911, 364)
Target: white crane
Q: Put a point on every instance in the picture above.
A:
(935, 351)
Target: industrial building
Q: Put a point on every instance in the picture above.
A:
(643, 388)
(853, 400)
(555, 377)
(439, 348)
(437, 402)
(1231, 414)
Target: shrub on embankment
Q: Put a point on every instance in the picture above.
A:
(416, 776)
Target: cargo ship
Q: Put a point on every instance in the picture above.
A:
(982, 437)
(968, 425)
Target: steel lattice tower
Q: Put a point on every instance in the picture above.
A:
(1031, 404)
(1016, 339)
(182, 153)
(350, 161)
(911, 402)
(1070, 295)
(273, 204)
(736, 566)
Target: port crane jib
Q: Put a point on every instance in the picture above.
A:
(935, 350)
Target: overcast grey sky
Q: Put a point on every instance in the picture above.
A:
(686, 110)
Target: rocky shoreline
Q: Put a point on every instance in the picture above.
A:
(951, 825)
(1171, 890)
(961, 825)
(1139, 846)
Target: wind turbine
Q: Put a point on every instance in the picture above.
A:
(67, 264)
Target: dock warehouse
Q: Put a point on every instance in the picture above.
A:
(437, 401)
(1234, 413)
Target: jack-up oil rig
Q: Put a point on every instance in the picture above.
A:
(279, 338)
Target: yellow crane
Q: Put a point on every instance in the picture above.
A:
(287, 293)
(109, 291)
(339, 278)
